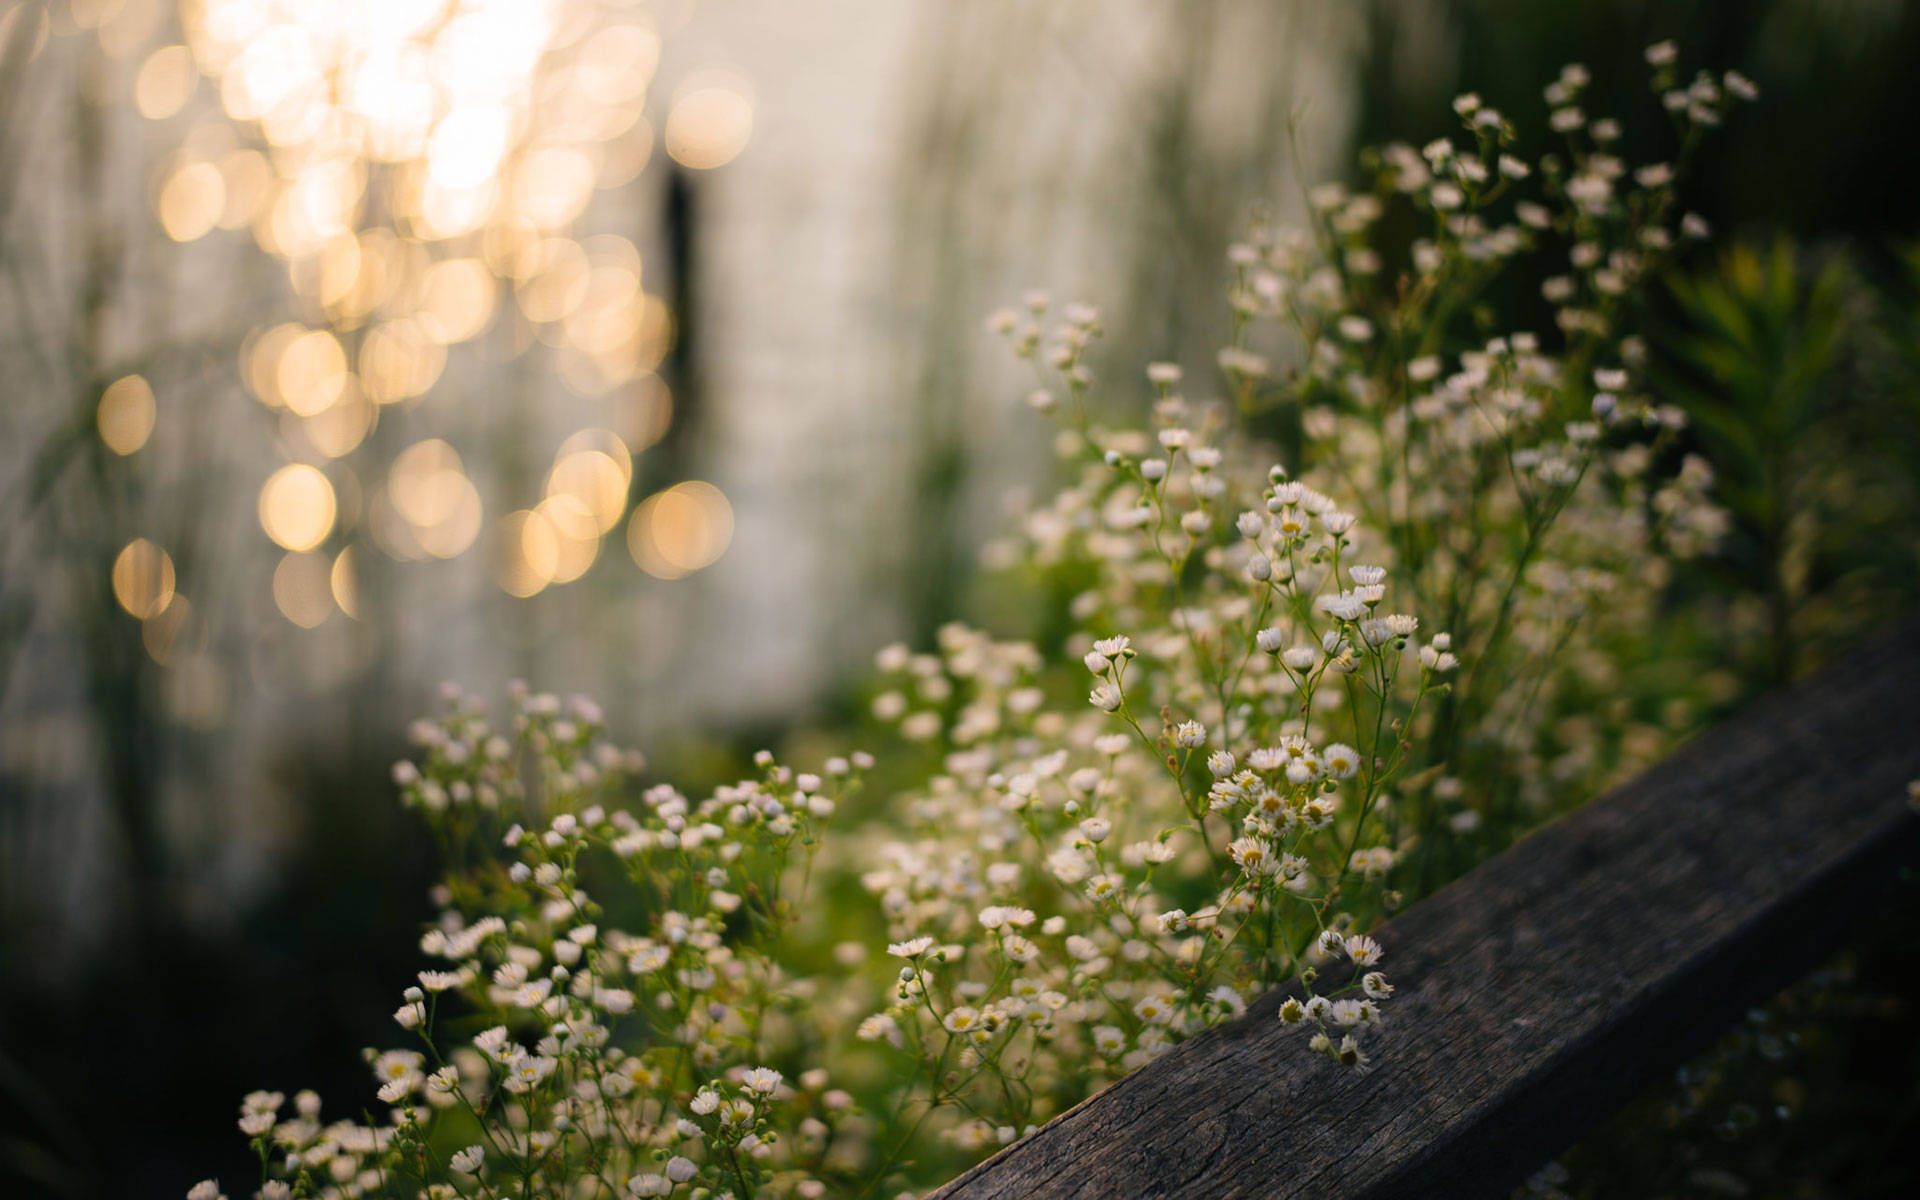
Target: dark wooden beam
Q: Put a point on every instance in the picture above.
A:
(1547, 987)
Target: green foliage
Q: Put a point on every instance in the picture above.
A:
(1759, 357)
(1801, 381)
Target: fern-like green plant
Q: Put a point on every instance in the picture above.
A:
(1758, 366)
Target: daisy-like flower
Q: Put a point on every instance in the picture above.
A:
(997, 915)
(1340, 760)
(1364, 951)
(961, 1018)
(761, 1080)
(1345, 606)
(1018, 949)
(528, 1071)
(1154, 1008)
(1349, 1054)
(1252, 855)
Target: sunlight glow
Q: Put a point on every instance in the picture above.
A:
(143, 579)
(681, 530)
(126, 414)
(710, 122)
(297, 507)
(419, 167)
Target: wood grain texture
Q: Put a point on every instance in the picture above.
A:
(1545, 988)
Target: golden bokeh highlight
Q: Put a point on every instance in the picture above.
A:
(653, 334)
(555, 282)
(710, 122)
(344, 425)
(260, 361)
(646, 406)
(161, 633)
(576, 537)
(350, 275)
(606, 442)
(303, 589)
(165, 82)
(399, 361)
(429, 489)
(553, 184)
(622, 159)
(468, 145)
(311, 373)
(343, 580)
(457, 300)
(308, 209)
(681, 530)
(529, 553)
(445, 213)
(143, 579)
(419, 167)
(611, 317)
(249, 181)
(558, 540)
(617, 63)
(338, 272)
(592, 482)
(191, 201)
(126, 414)
(297, 507)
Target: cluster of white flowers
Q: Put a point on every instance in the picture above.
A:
(1330, 627)
(632, 1058)
(1080, 890)
(1525, 489)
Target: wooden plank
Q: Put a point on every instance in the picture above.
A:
(1545, 988)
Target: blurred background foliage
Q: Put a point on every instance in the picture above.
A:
(226, 896)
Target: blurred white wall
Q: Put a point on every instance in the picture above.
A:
(913, 167)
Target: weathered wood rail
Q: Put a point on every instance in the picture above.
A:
(1547, 987)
